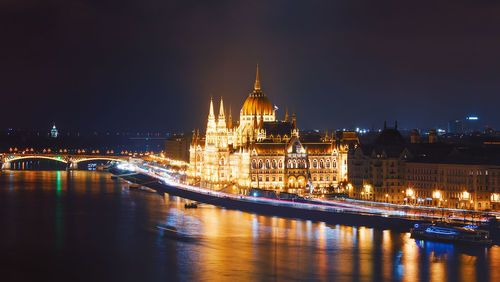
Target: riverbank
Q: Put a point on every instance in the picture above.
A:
(314, 212)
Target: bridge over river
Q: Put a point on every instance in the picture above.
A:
(71, 161)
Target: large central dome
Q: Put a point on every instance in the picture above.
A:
(257, 102)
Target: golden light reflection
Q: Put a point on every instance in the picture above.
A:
(365, 251)
(468, 266)
(409, 258)
(437, 268)
(243, 246)
(494, 263)
(321, 258)
(387, 253)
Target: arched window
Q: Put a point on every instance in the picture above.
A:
(304, 163)
(289, 165)
(260, 163)
(334, 163)
(221, 161)
(254, 164)
(274, 164)
(321, 164)
(294, 163)
(268, 165)
(315, 163)
(280, 164)
(327, 163)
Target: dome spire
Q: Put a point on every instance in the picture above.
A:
(257, 81)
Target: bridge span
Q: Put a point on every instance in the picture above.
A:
(70, 160)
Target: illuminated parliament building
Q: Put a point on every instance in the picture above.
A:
(260, 151)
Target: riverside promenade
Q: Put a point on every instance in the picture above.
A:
(376, 215)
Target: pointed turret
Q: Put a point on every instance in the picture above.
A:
(221, 121)
(211, 111)
(287, 119)
(211, 134)
(257, 81)
(230, 120)
(221, 109)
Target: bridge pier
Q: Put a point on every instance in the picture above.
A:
(72, 165)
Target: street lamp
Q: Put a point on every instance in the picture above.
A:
(367, 190)
(410, 193)
(465, 195)
(437, 195)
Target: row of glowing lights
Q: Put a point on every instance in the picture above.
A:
(368, 187)
(161, 157)
(80, 151)
(436, 194)
(336, 206)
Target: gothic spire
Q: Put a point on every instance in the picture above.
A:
(222, 113)
(211, 112)
(211, 123)
(257, 81)
(230, 121)
(221, 120)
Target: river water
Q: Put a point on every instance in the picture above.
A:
(83, 226)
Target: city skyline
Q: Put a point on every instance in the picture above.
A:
(90, 66)
(290, 140)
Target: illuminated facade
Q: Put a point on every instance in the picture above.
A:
(427, 174)
(259, 151)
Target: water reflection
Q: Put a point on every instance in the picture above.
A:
(84, 222)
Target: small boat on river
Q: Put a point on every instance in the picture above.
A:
(172, 233)
(192, 205)
(468, 234)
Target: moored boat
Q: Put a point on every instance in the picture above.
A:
(193, 205)
(451, 234)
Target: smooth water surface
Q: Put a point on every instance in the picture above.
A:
(83, 226)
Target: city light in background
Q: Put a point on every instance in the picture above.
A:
(249, 140)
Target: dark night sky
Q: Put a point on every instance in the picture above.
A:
(153, 64)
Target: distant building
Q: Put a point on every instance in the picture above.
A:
(427, 173)
(177, 147)
(468, 125)
(472, 124)
(453, 182)
(376, 170)
(455, 126)
(53, 132)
